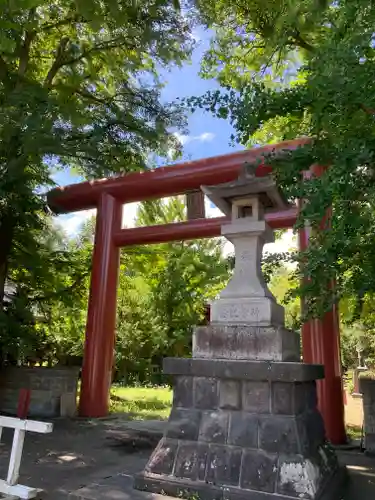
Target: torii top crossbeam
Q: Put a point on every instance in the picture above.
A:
(163, 181)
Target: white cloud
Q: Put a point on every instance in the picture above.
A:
(72, 223)
(195, 35)
(186, 139)
(129, 212)
(206, 137)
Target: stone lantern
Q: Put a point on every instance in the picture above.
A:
(244, 423)
(247, 298)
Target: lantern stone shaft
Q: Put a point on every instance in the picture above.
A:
(247, 299)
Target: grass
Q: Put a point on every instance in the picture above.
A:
(142, 403)
(354, 432)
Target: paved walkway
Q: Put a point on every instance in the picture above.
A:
(83, 460)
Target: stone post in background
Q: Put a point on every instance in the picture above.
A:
(195, 208)
(244, 423)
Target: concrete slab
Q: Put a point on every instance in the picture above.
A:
(361, 470)
(119, 487)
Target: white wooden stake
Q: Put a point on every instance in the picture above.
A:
(15, 457)
(11, 486)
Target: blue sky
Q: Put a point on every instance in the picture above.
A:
(207, 136)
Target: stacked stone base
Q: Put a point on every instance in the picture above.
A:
(243, 430)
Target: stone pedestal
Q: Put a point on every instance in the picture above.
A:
(356, 375)
(244, 423)
(243, 429)
(367, 389)
(267, 343)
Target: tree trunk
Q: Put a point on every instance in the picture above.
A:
(6, 238)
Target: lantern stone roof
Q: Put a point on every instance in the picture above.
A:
(247, 185)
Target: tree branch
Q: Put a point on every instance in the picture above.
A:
(58, 62)
(78, 281)
(369, 111)
(24, 50)
(301, 42)
(74, 19)
(4, 72)
(111, 44)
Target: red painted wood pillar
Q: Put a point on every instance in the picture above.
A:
(101, 316)
(321, 345)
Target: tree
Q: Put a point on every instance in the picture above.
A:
(51, 280)
(163, 291)
(292, 69)
(79, 89)
(282, 282)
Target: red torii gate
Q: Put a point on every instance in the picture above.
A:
(320, 338)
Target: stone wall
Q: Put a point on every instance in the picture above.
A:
(53, 390)
(367, 388)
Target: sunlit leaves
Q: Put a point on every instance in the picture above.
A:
(329, 96)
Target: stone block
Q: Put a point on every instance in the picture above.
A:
(333, 489)
(282, 398)
(183, 392)
(258, 311)
(367, 388)
(44, 404)
(299, 477)
(315, 427)
(311, 395)
(214, 427)
(191, 461)
(206, 393)
(184, 424)
(278, 434)
(293, 398)
(68, 405)
(177, 488)
(230, 394)
(243, 370)
(256, 397)
(259, 471)
(311, 432)
(326, 457)
(369, 442)
(223, 465)
(243, 430)
(247, 342)
(162, 459)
